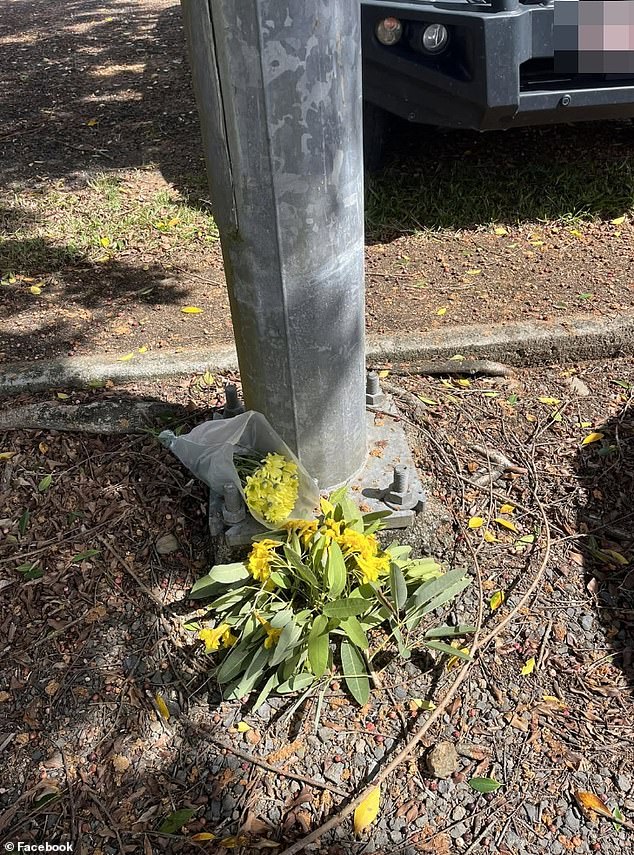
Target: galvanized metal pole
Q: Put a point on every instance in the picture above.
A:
(278, 87)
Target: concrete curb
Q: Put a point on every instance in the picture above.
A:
(525, 343)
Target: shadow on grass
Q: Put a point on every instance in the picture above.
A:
(436, 179)
(606, 475)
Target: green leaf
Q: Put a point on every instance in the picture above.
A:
(355, 632)
(351, 514)
(286, 643)
(45, 483)
(484, 785)
(448, 649)
(82, 556)
(252, 675)
(225, 574)
(266, 690)
(375, 515)
(422, 568)
(354, 672)
(23, 522)
(318, 646)
(342, 609)
(298, 565)
(280, 579)
(398, 586)
(203, 588)
(616, 813)
(335, 570)
(296, 683)
(447, 595)
(279, 620)
(175, 821)
(30, 571)
(429, 590)
(235, 661)
(450, 631)
(403, 649)
(398, 552)
(290, 667)
(229, 600)
(192, 626)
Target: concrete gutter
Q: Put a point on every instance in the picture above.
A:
(525, 343)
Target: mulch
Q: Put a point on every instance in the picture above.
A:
(97, 561)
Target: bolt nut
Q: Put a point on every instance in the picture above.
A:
(233, 510)
(399, 496)
(233, 405)
(374, 396)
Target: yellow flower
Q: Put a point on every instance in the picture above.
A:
(272, 637)
(353, 542)
(331, 529)
(260, 557)
(213, 637)
(228, 638)
(372, 567)
(272, 634)
(304, 529)
(272, 490)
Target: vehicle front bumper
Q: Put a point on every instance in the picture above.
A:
(484, 79)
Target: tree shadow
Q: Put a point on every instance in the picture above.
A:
(442, 178)
(606, 478)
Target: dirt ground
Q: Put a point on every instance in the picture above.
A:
(105, 224)
(102, 537)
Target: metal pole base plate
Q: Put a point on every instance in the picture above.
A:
(387, 448)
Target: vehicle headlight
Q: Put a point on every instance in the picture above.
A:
(435, 38)
(389, 31)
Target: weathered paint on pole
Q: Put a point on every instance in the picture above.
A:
(278, 86)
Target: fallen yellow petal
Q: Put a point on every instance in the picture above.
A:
(191, 310)
(595, 436)
(162, 707)
(506, 524)
(367, 811)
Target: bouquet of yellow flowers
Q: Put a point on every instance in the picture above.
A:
(247, 452)
(271, 485)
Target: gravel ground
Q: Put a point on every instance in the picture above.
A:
(95, 643)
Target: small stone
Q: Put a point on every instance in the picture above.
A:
(459, 813)
(167, 544)
(334, 773)
(571, 820)
(587, 622)
(325, 734)
(624, 783)
(458, 830)
(442, 760)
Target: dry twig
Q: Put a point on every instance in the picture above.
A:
(260, 761)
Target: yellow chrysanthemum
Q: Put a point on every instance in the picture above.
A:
(213, 637)
(331, 529)
(271, 492)
(373, 567)
(260, 558)
(304, 529)
(354, 543)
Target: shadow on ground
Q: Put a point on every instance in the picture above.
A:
(606, 479)
(108, 87)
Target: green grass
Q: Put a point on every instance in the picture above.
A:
(111, 216)
(535, 176)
